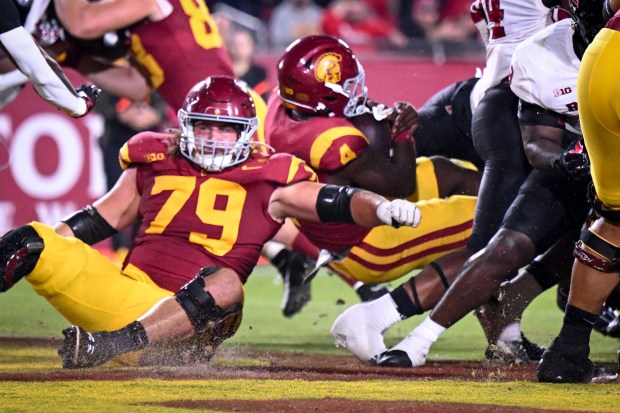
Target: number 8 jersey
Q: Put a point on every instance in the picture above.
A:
(206, 218)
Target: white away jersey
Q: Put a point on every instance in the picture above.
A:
(544, 71)
(508, 23)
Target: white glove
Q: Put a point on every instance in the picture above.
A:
(399, 212)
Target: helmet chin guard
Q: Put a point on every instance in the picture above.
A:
(224, 100)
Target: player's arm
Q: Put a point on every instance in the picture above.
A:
(316, 202)
(89, 20)
(115, 210)
(387, 172)
(542, 132)
(46, 76)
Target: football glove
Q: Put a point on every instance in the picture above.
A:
(89, 93)
(574, 162)
(399, 212)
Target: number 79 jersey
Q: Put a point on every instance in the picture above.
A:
(193, 219)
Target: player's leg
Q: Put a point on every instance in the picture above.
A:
(595, 273)
(71, 275)
(505, 169)
(387, 254)
(456, 177)
(212, 300)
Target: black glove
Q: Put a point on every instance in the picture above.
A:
(89, 93)
(574, 161)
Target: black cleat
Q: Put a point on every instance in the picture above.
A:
(393, 358)
(534, 351)
(562, 363)
(19, 252)
(80, 350)
(369, 292)
(296, 293)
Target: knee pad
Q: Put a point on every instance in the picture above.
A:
(597, 253)
(19, 253)
(199, 305)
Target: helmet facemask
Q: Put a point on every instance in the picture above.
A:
(214, 155)
(355, 90)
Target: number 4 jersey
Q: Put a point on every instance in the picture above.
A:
(204, 218)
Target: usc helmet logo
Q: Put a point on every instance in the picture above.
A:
(327, 68)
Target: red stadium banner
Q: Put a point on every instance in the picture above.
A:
(50, 163)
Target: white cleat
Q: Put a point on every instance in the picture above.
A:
(354, 329)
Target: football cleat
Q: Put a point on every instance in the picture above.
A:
(296, 293)
(520, 351)
(562, 363)
(80, 349)
(354, 330)
(19, 252)
(394, 358)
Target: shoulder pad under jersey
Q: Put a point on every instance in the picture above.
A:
(144, 148)
(337, 145)
(281, 168)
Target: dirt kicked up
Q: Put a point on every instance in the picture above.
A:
(243, 379)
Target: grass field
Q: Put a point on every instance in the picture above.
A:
(258, 365)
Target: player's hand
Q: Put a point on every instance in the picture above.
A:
(399, 212)
(404, 119)
(89, 93)
(574, 162)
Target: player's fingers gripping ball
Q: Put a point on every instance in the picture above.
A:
(399, 212)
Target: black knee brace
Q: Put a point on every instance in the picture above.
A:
(597, 253)
(440, 274)
(19, 253)
(199, 304)
(404, 304)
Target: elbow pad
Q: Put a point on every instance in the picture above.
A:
(89, 226)
(334, 204)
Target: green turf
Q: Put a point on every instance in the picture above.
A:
(22, 313)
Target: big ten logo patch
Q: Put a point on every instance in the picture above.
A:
(562, 91)
(152, 157)
(327, 68)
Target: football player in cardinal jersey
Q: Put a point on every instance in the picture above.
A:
(174, 43)
(206, 201)
(595, 271)
(322, 115)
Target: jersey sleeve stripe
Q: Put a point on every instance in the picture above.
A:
(322, 143)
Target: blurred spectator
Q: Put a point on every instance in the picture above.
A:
(356, 22)
(252, 7)
(437, 21)
(241, 45)
(293, 19)
(123, 119)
